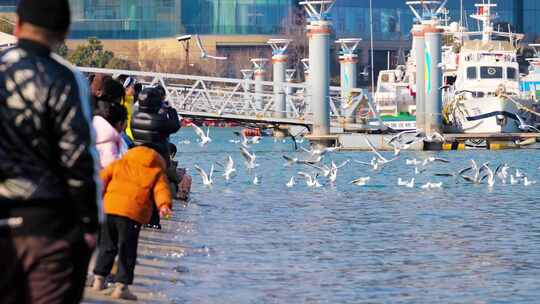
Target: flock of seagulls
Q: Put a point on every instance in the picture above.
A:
(316, 172)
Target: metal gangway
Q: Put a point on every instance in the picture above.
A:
(236, 100)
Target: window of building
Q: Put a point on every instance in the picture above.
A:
(491, 72)
(471, 73)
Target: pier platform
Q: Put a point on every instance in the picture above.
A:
(453, 141)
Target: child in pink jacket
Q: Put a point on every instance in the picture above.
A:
(109, 142)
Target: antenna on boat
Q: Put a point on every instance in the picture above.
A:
(484, 15)
(426, 12)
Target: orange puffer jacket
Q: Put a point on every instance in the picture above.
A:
(134, 182)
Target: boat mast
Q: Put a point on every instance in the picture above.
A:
(483, 14)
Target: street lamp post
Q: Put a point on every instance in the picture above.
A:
(184, 40)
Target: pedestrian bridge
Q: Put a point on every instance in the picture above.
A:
(229, 99)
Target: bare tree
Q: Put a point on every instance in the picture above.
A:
(294, 28)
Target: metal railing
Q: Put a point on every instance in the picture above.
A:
(228, 97)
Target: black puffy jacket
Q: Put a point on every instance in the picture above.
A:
(152, 125)
(46, 149)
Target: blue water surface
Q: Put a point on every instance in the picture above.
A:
(342, 243)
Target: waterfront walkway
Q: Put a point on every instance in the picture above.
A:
(157, 268)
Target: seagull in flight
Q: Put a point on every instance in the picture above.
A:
(315, 152)
(432, 159)
(380, 159)
(206, 178)
(230, 171)
(398, 143)
(290, 160)
(374, 164)
(204, 54)
(205, 137)
(361, 181)
(250, 158)
(311, 181)
(325, 170)
(334, 171)
(490, 176)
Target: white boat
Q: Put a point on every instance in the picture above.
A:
(394, 93)
(485, 97)
(530, 84)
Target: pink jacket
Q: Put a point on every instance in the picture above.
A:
(109, 143)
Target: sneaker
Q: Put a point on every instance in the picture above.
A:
(99, 283)
(121, 291)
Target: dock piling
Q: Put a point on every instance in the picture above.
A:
(433, 101)
(259, 73)
(319, 30)
(279, 61)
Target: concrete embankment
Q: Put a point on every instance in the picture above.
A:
(158, 269)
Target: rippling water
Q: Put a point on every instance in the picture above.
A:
(380, 243)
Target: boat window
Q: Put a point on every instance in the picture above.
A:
(385, 78)
(491, 72)
(471, 73)
(511, 73)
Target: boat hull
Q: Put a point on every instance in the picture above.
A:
(486, 115)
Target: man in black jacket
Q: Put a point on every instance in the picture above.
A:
(48, 182)
(152, 125)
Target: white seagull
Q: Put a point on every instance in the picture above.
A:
(291, 182)
(204, 54)
(408, 184)
(206, 178)
(490, 176)
(290, 160)
(430, 160)
(311, 181)
(412, 162)
(513, 180)
(527, 182)
(361, 181)
(205, 138)
(429, 185)
(230, 171)
(334, 171)
(249, 157)
(315, 152)
(380, 159)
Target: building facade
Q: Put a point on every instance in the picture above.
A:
(143, 19)
(230, 27)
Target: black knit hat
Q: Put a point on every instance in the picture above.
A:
(53, 15)
(149, 100)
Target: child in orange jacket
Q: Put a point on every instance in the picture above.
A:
(131, 185)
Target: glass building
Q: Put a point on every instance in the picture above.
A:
(7, 6)
(141, 19)
(393, 20)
